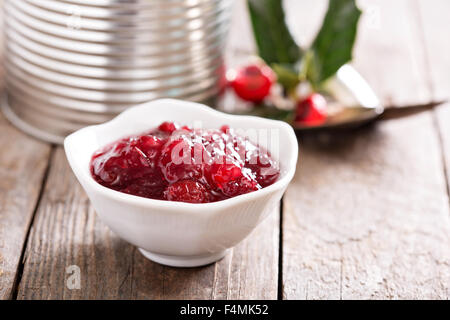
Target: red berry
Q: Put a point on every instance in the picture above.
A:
(177, 161)
(194, 166)
(149, 145)
(242, 185)
(187, 191)
(312, 110)
(225, 128)
(168, 127)
(253, 83)
(224, 173)
(186, 128)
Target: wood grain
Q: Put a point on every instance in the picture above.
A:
(389, 53)
(433, 20)
(367, 216)
(23, 162)
(67, 232)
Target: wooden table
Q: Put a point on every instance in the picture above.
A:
(367, 215)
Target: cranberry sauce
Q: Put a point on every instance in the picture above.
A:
(182, 164)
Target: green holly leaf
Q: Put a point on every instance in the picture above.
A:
(333, 45)
(274, 41)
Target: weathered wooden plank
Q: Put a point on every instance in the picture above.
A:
(23, 161)
(367, 215)
(422, 269)
(389, 52)
(67, 233)
(433, 18)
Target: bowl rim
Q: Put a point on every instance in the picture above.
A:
(288, 164)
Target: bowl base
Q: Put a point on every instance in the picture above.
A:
(184, 261)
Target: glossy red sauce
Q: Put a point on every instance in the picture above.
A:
(182, 164)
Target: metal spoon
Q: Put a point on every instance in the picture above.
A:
(357, 103)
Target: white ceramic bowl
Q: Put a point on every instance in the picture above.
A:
(174, 233)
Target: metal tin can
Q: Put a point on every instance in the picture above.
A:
(72, 63)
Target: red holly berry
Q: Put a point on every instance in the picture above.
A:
(312, 110)
(253, 83)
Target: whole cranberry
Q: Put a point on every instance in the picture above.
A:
(311, 110)
(253, 83)
(167, 127)
(187, 191)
